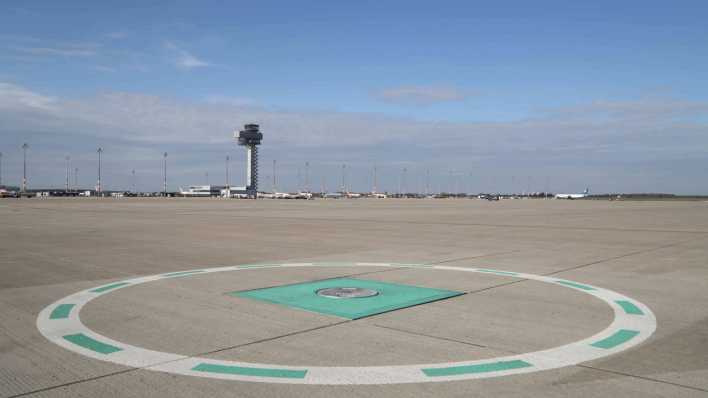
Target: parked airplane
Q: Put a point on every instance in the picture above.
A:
(573, 195)
(302, 195)
(489, 197)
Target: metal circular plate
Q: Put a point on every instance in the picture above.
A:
(346, 292)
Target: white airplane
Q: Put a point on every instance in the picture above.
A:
(378, 195)
(302, 195)
(573, 195)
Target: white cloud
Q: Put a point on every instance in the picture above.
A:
(570, 144)
(13, 97)
(68, 51)
(422, 95)
(228, 100)
(183, 59)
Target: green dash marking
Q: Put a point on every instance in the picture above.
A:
(109, 287)
(245, 371)
(481, 368)
(576, 285)
(91, 344)
(620, 337)
(181, 273)
(629, 307)
(491, 271)
(62, 311)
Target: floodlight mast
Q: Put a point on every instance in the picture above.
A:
(250, 137)
(24, 166)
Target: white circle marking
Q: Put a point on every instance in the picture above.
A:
(60, 323)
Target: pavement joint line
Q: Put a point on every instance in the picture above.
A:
(560, 227)
(462, 294)
(319, 280)
(470, 257)
(146, 367)
(584, 265)
(269, 339)
(652, 379)
(634, 253)
(439, 338)
(574, 353)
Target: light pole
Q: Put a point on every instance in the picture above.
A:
(164, 174)
(76, 179)
(374, 185)
(307, 177)
(0, 168)
(275, 187)
(24, 166)
(344, 181)
(99, 189)
(449, 184)
(299, 180)
(134, 191)
(427, 182)
(227, 172)
(66, 188)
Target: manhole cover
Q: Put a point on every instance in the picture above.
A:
(346, 292)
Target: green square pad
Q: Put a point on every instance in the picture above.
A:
(392, 296)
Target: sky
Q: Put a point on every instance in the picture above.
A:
(505, 96)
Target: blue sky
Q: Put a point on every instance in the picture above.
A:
(561, 94)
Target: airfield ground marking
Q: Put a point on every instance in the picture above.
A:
(60, 323)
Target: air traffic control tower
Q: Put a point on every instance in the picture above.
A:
(249, 137)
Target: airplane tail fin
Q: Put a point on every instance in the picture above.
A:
(586, 191)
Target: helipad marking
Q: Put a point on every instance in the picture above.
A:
(109, 287)
(575, 284)
(392, 296)
(480, 368)
(493, 271)
(629, 307)
(633, 323)
(91, 344)
(620, 337)
(183, 273)
(61, 311)
(248, 371)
